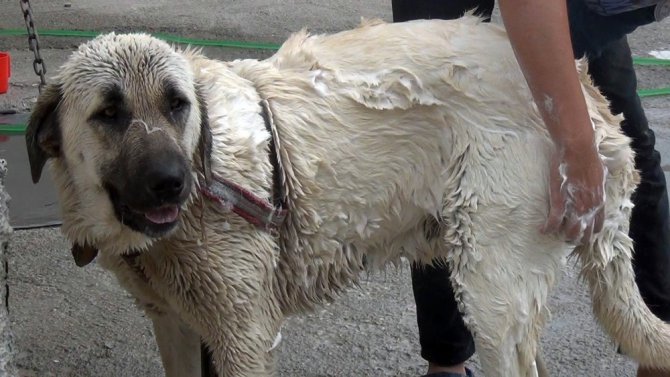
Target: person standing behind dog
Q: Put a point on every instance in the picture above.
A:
(596, 29)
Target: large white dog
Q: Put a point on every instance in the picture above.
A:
(226, 196)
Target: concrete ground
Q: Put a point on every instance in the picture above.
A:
(70, 321)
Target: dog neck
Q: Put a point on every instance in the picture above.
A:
(262, 213)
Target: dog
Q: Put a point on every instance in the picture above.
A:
(227, 196)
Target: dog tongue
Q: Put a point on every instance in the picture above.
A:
(163, 215)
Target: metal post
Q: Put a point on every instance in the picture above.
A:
(7, 367)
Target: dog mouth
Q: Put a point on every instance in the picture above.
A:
(154, 221)
(163, 215)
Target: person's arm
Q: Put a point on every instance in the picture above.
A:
(539, 33)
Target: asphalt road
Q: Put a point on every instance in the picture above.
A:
(70, 321)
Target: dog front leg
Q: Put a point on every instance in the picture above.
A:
(179, 346)
(243, 352)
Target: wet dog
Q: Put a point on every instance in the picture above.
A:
(226, 196)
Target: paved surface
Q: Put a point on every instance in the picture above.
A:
(77, 322)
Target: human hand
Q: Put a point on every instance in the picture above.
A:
(576, 194)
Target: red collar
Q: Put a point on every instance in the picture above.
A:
(267, 214)
(259, 212)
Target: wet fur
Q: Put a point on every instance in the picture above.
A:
(435, 152)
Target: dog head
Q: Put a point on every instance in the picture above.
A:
(124, 127)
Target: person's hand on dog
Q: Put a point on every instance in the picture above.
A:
(577, 175)
(576, 193)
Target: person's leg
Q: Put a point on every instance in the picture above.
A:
(406, 10)
(613, 72)
(591, 32)
(446, 343)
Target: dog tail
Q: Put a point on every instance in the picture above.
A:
(617, 303)
(607, 261)
(619, 308)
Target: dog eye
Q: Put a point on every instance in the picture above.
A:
(177, 105)
(108, 113)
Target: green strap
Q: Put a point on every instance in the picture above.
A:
(653, 92)
(12, 129)
(651, 61)
(163, 36)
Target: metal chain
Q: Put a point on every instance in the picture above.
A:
(34, 43)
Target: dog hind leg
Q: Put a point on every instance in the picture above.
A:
(542, 370)
(506, 326)
(502, 274)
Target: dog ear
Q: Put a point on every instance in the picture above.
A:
(43, 137)
(205, 142)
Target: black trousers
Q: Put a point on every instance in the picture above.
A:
(444, 338)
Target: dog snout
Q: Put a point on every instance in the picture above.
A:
(165, 181)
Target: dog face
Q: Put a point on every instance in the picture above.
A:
(122, 123)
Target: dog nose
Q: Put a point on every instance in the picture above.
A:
(166, 181)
